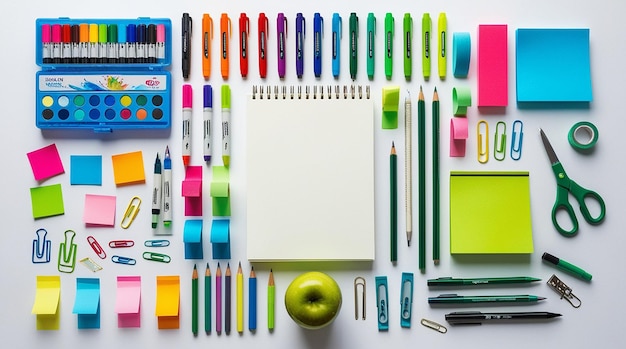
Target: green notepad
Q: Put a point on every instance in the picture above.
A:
(490, 213)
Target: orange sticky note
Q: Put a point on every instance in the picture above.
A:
(168, 302)
(128, 168)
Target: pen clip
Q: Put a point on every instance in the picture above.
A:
(382, 303)
(406, 299)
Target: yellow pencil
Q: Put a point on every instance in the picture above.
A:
(239, 299)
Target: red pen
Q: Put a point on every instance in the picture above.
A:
(244, 31)
(66, 37)
(263, 30)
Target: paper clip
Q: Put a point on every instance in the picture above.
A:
(123, 260)
(91, 265)
(41, 247)
(67, 257)
(516, 145)
(96, 247)
(565, 291)
(406, 300)
(359, 281)
(121, 243)
(483, 149)
(433, 325)
(157, 257)
(499, 141)
(382, 303)
(131, 212)
(156, 243)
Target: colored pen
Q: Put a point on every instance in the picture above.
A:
(56, 43)
(318, 34)
(336, 54)
(566, 266)
(225, 33)
(281, 30)
(300, 34)
(408, 39)
(393, 202)
(141, 45)
(426, 27)
(187, 26)
(389, 32)
(475, 317)
(167, 188)
(194, 301)
(187, 111)
(207, 114)
(131, 38)
(436, 204)
(252, 300)
(442, 27)
(112, 46)
(83, 37)
(449, 281)
(371, 36)
(151, 38)
(66, 38)
(263, 36)
(156, 192)
(207, 36)
(244, 33)
(46, 40)
(207, 299)
(239, 299)
(227, 299)
(226, 125)
(122, 45)
(160, 41)
(102, 42)
(354, 46)
(218, 299)
(421, 154)
(75, 39)
(271, 299)
(456, 299)
(93, 43)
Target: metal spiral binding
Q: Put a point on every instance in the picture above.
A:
(310, 92)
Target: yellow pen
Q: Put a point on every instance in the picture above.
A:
(239, 299)
(442, 27)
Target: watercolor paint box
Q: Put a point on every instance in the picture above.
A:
(103, 74)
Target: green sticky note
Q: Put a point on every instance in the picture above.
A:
(391, 102)
(490, 213)
(47, 201)
(220, 191)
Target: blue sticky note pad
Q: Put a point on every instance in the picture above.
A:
(87, 302)
(86, 170)
(552, 65)
(220, 238)
(192, 237)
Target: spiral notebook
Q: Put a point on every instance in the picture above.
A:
(310, 174)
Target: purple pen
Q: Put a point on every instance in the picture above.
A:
(281, 29)
(300, 33)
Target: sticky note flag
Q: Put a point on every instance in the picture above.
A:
(220, 238)
(99, 210)
(47, 201)
(87, 302)
(458, 136)
(128, 301)
(47, 298)
(220, 191)
(45, 162)
(128, 168)
(168, 302)
(192, 237)
(493, 77)
(86, 170)
(391, 103)
(192, 191)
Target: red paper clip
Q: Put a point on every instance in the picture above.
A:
(121, 243)
(96, 247)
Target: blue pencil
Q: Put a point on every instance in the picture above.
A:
(252, 301)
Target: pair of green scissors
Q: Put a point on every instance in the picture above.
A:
(565, 186)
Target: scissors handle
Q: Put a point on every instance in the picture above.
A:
(581, 194)
(562, 204)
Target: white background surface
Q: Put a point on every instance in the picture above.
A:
(597, 249)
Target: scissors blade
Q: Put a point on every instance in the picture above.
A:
(549, 150)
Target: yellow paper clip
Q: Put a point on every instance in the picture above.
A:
(359, 282)
(499, 141)
(482, 132)
(131, 212)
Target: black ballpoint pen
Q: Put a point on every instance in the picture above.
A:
(477, 318)
(186, 48)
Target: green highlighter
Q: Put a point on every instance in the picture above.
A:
(371, 34)
(426, 25)
(408, 37)
(389, 24)
(354, 35)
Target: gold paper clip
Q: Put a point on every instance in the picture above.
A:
(90, 264)
(499, 141)
(433, 325)
(483, 141)
(131, 212)
(565, 291)
(359, 281)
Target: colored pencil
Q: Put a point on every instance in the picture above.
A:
(252, 301)
(218, 299)
(239, 299)
(207, 299)
(421, 137)
(271, 297)
(194, 301)
(436, 177)
(227, 299)
(393, 202)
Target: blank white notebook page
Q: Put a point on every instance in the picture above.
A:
(310, 179)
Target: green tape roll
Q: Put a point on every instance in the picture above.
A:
(583, 135)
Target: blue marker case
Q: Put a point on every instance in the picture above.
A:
(87, 82)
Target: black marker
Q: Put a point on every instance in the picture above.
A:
(186, 49)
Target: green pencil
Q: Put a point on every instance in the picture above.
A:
(194, 301)
(421, 138)
(271, 298)
(393, 202)
(207, 300)
(436, 177)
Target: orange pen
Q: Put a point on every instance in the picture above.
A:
(207, 36)
(225, 33)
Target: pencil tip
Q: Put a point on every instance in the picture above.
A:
(435, 88)
(194, 266)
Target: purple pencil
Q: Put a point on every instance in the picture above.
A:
(218, 299)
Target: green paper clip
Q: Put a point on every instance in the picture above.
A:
(408, 37)
(157, 257)
(499, 141)
(67, 257)
(426, 27)
(389, 24)
(371, 53)
(406, 300)
(382, 303)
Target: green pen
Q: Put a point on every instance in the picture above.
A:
(456, 299)
(566, 266)
(389, 23)
(449, 281)
(102, 42)
(354, 34)
(408, 37)
(426, 25)
(371, 33)
(442, 27)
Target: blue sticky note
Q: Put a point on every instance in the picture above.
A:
(220, 238)
(192, 237)
(86, 170)
(552, 65)
(87, 302)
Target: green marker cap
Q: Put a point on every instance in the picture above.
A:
(113, 33)
(102, 33)
(225, 97)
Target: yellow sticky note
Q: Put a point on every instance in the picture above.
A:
(128, 168)
(168, 302)
(46, 305)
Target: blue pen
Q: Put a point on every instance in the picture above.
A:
(336, 44)
(121, 44)
(131, 35)
(318, 32)
(300, 33)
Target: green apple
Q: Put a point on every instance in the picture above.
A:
(313, 300)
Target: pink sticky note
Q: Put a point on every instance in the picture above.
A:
(458, 136)
(99, 210)
(45, 162)
(492, 66)
(192, 191)
(128, 302)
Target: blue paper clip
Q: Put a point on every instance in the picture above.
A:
(483, 141)
(382, 303)
(499, 141)
(156, 243)
(123, 260)
(67, 256)
(41, 247)
(406, 300)
(156, 257)
(516, 144)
